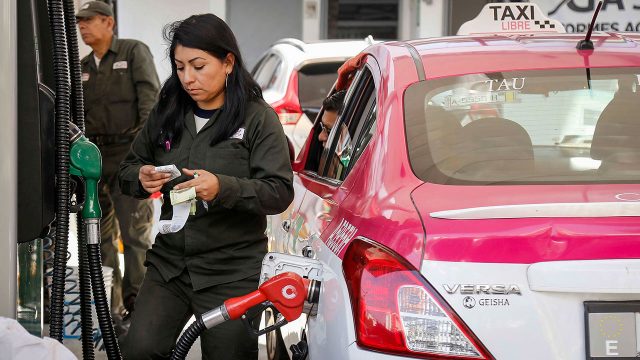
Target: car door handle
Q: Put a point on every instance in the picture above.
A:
(286, 225)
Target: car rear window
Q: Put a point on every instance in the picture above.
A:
(526, 127)
(266, 72)
(314, 82)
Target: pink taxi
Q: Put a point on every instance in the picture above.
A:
(478, 198)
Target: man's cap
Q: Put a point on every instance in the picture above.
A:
(93, 8)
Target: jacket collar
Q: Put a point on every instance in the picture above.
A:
(190, 122)
(114, 45)
(113, 48)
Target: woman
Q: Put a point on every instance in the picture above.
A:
(212, 123)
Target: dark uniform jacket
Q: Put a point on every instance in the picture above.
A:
(118, 96)
(227, 242)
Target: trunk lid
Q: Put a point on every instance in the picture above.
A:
(522, 264)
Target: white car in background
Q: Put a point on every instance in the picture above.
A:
(296, 76)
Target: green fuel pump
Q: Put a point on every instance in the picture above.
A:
(86, 163)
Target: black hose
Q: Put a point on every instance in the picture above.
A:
(77, 97)
(62, 109)
(102, 307)
(187, 339)
(77, 106)
(85, 289)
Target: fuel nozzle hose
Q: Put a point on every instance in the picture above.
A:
(287, 292)
(102, 306)
(84, 279)
(86, 163)
(188, 338)
(69, 105)
(62, 117)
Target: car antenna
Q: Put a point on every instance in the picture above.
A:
(586, 43)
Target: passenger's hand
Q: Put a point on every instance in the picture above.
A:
(152, 180)
(205, 183)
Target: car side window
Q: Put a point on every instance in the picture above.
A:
(365, 132)
(349, 136)
(266, 74)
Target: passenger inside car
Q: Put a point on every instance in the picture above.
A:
(615, 139)
(331, 110)
(493, 146)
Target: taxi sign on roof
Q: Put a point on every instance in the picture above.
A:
(510, 18)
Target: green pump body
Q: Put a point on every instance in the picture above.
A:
(86, 162)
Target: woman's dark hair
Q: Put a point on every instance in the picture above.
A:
(209, 33)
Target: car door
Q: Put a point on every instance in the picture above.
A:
(325, 169)
(321, 182)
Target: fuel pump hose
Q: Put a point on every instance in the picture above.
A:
(61, 75)
(77, 107)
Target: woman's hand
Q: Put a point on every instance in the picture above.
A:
(205, 183)
(152, 180)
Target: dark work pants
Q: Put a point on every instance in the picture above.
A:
(125, 217)
(163, 309)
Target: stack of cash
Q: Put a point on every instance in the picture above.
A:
(182, 195)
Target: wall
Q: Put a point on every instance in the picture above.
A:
(432, 18)
(258, 24)
(619, 15)
(144, 19)
(312, 11)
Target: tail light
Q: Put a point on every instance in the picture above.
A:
(288, 108)
(397, 311)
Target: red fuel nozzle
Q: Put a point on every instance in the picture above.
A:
(287, 292)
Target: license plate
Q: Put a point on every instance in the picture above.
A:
(612, 330)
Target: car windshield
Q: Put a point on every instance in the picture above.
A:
(531, 127)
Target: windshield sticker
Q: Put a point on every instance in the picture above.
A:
(458, 101)
(505, 85)
(341, 236)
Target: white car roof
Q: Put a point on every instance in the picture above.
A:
(297, 51)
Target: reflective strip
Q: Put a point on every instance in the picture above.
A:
(599, 209)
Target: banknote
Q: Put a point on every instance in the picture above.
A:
(172, 169)
(182, 195)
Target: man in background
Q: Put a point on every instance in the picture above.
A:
(120, 86)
